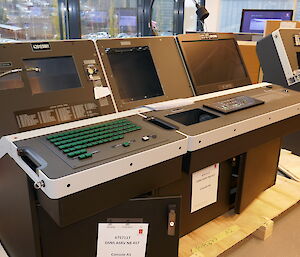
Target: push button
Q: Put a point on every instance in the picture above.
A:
(145, 138)
(85, 156)
(126, 144)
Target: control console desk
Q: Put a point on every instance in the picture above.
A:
(245, 144)
(66, 165)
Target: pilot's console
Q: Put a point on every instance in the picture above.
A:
(142, 71)
(213, 61)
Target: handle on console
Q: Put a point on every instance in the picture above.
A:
(161, 123)
(172, 220)
(32, 159)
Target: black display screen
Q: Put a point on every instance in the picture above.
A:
(192, 117)
(213, 62)
(134, 73)
(55, 73)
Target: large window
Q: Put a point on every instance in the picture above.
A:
(93, 19)
(231, 11)
(108, 18)
(163, 17)
(29, 20)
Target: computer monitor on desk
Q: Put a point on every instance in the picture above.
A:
(213, 61)
(143, 71)
(254, 20)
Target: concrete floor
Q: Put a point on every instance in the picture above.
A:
(284, 242)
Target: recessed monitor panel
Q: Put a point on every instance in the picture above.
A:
(253, 21)
(143, 71)
(52, 74)
(134, 86)
(213, 61)
(192, 117)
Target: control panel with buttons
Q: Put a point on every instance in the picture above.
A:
(234, 104)
(99, 143)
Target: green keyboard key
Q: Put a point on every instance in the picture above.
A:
(73, 154)
(84, 156)
(72, 142)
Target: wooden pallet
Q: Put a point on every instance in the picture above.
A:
(219, 235)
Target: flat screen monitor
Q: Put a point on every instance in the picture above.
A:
(253, 21)
(134, 71)
(51, 74)
(214, 65)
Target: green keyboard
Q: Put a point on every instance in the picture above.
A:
(75, 143)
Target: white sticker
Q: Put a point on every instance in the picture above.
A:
(204, 187)
(120, 239)
(101, 92)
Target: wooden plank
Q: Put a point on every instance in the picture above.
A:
(265, 231)
(290, 164)
(224, 232)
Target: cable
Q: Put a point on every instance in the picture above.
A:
(204, 26)
(37, 69)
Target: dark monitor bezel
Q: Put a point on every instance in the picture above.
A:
(150, 71)
(167, 61)
(213, 87)
(262, 10)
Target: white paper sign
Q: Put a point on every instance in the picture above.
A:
(204, 187)
(120, 239)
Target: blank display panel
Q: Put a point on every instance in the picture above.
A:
(134, 73)
(55, 73)
(213, 62)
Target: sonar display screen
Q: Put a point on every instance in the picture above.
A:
(52, 74)
(134, 73)
(212, 62)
